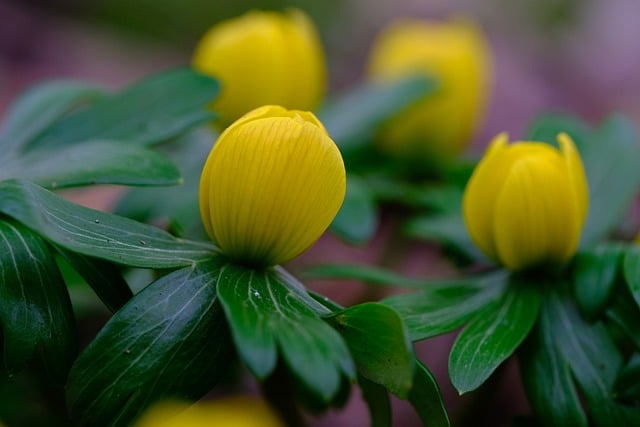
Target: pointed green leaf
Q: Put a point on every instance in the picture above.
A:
(444, 307)
(35, 311)
(627, 385)
(366, 274)
(594, 275)
(354, 118)
(379, 343)
(547, 378)
(631, 270)
(266, 314)
(357, 220)
(103, 277)
(448, 230)
(40, 106)
(150, 111)
(591, 354)
(170, 340)
(94, 233)
(426, 398)
(493, 334)
(93, 162)
(378, 402)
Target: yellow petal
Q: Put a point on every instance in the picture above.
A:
(236, 411)
(478, 202)
(263, 58)
(535, 213)
(457, 56)
(275, 182)
(577, 175)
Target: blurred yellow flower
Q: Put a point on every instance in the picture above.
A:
(456, 54)
(271, 186)
(526, 203)
(263, 58)
(237, 411)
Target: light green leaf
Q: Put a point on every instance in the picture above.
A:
(594, 276)
(426, 398)
(448, 230)
(170, 340)
(357, 220)
(379, 343)
(40, 106)
(94, 233)
(93, 162)
(444, 307)
(631, 269)
(35, 311)
(150, 111)
(493, 334)
(353, 119)
(367, 274)
(266, 315)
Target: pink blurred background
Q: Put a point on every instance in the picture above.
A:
(581, 56)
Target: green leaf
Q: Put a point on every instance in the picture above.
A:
(627, 385)
(103, 277)
(444, 307)
(426, 398)
(367, 274)
(379, 344)
(153, 110)
(93, 162)
(493, 334)
(357, 220)
(189, 152)
(611, 164)
(354, 119)
(35, 311)
(631, 270)
(94, 233)
(170, 340)
(448, 230)
(625, 313)
(546, 128)
(592, 357)
(594, 276)
(266, 313)
(547, 378)
(378, 402)
(40, 106)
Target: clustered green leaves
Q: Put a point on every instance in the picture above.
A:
(575, 333)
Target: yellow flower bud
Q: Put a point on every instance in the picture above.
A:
(271, 186)
(456, 54)
(526, 203)
(263, 58)
(236, 411)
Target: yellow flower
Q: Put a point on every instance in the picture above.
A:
(271, 186)
(263, 58)
(456, 54)
(526, 203)
(236, 411)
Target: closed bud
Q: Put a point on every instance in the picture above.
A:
(456, 55)
(526, 203)
(263, 58)
(271, 186)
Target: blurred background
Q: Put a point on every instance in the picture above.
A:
(581, 56)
